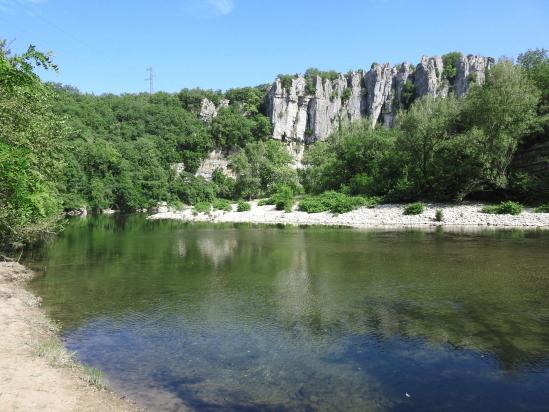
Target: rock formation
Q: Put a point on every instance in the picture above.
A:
(208, 110)
(471, 69)
(216, 159)
(301, 114)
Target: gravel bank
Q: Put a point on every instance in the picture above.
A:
(464, 215)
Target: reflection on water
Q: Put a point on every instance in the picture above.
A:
(262, 318)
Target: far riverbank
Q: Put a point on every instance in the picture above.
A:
(388, 215)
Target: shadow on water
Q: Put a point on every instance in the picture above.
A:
(246, 317)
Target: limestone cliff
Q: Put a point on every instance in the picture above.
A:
(300, 113)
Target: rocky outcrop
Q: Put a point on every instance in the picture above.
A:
(216, 159)
(289, 109)
(379, 86)
(303, 110)
(429, 79)
(471, 69)
(208, 110)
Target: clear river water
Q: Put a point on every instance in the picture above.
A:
(264, 318)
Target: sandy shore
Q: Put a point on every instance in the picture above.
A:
(36, 372)
(390, 216)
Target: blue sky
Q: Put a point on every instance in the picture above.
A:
(106, 45)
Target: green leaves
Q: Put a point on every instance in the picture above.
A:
(31, 139)
(261, 166)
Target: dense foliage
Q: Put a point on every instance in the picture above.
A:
(261, 167)
(31, 139)
(122, 150)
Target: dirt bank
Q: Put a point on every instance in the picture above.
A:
(36, 372)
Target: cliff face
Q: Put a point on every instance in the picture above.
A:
(300, 116)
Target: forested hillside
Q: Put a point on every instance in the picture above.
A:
(61, 149)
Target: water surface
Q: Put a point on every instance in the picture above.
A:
(248, 318)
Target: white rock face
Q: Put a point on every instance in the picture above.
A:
(208, 110)
(355, 107)
(326, 110)
(216, 159)
(288, 110)
(178, 168)
(379, 84)
(471, 68)
(428, 80)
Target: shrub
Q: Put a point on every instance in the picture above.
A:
(346, 95)
(283, 199)
(312, 205)
(265, 202)
(203, 207)
(504, 208)
(542, 208)
(414, 209)
(439, 215)
(222, 204)
(286, 80)
(335, 202)
(243, 206)
(192, 190)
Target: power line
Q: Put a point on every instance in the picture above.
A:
(150, 80)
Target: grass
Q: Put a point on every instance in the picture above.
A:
(94, 376)
(544, 208)
(504, 208)
(55, 354)
(414, 208)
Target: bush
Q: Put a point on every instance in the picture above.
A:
(265, 202)
(439, 215)
(283, 199)
(542, 208)
(504, 208)
(312, 205)
(222, 204)
(414, 209)
(243, 206)
(192, 190)
(203, 207)
(335, 202)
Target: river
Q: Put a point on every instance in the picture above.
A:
(263, 318)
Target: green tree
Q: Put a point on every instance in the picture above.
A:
(261, 166)
(502, 111)
(31, 138)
